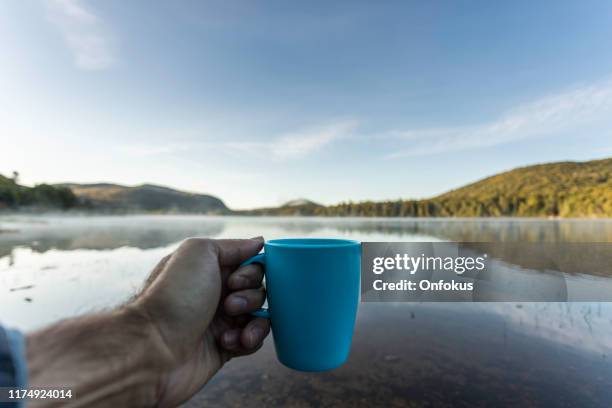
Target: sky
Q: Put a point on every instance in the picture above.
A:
(259, 103)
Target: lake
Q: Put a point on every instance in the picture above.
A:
(404, 354)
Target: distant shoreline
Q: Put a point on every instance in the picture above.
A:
(241, 213)
(553, 190)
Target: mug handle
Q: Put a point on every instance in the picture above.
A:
(259, 259)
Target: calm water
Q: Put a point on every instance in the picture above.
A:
(404, 354)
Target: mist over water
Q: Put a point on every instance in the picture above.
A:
(468, 354)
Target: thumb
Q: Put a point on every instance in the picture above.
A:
(233, 252)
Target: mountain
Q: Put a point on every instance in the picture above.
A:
(145, 198)
(300, 206)
(563, 189)
(299, 202)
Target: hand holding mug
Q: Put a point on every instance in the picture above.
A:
(196, 312)
(199, 299)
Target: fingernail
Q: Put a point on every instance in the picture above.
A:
(230, 338)
(237, 304)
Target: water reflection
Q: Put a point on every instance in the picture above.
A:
(92, 232)
(69, 233)
(405, 354)
(466, 230)
(423, 355)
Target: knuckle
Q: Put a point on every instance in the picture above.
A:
(250, 271)
(198, 244)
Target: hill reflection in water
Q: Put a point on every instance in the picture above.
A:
(144, 232)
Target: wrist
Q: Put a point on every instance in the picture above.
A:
(155, 359)
(114, 356)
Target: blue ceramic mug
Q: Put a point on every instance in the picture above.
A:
(313, 293)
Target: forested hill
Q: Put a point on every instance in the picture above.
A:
(105, 198)
(564, 189)
(145, 198)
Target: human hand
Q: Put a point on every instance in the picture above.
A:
(198, 300)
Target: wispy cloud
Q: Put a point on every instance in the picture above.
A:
(152, 149)
(290, 145)
(301, 143)
(564, 111)
(85, 34)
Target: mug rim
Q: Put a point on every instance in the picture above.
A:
(312, 243)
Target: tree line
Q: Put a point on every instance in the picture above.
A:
(13, 195)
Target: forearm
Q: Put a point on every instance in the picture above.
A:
(107, 358)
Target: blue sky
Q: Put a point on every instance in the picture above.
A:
(263, 102)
